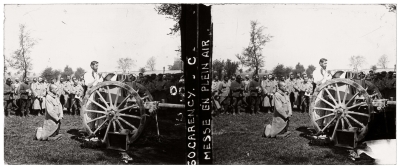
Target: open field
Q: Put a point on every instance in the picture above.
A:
(237, 140)
(20, 148)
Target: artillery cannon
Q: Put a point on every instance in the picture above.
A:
(115, 107)
(342, 108)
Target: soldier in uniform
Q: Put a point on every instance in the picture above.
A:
(9, 92)
(378, 82)
(214, 95)
(305, 93)
(76, 94)
(67, 89)
(293, 93)
(224, 90)
(269, 89)
(36, 96)
(255, 93)
(390, 85)
(282, 114)
(42, 94)
(246, 92)
(149, 85)
(236, 88)
(25, 92)
(161, 88)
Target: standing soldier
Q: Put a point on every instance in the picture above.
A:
(378, 82)
(246, 92)
(214, 95)
(9, 92)
(42, 95)
(390, 85)
(290, 86)
(236, 88)
(269, 90)
(149, 85)
(161, 88)
(76, 94)
(255, 91)
(224, 89)
(67, 89)
(25, 91)
(36, 92)
(305, 93)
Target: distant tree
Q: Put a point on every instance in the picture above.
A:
(310, 70)
(218, 67)
(151, 63)
(21, 59)
(50, 73)
(79, 72)
(383, 61)
(279, 70)
(172, 11)
(177, 64)
(125, 64)
(67, 72)
(357, 62)
(142, 69)
(231, 67)
(299, 68)
(373, 67)
(252, 55)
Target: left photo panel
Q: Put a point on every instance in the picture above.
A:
(89, 84)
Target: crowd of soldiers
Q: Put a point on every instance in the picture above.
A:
(236, 94)
(27, 98)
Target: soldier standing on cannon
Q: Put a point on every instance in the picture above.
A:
(255, 93)
(269, 89)
(9, 92)
(237, 88)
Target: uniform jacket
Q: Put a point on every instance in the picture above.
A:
(290, 84)
(269, 87)
(224, 88)
(9, 91)
(254, 87)
(24, 90)
(237, 88)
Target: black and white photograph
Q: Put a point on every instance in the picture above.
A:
(301, 84)
(188, 83)
(93, 84)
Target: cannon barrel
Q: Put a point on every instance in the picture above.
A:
(170, 105)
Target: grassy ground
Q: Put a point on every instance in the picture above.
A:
(237, 140)
(20, 148)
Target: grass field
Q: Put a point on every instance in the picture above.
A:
(20, 148)
(238, 140)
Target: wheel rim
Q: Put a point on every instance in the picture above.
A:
(113, 107)
(350, 110)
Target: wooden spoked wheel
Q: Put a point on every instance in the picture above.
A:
(114, 107)
(340, 104)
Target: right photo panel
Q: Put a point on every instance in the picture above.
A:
(298, 84)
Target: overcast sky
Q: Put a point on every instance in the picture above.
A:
(305, 33)
(75, 35)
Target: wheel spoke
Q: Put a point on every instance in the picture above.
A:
(356, 121)
(116, 99)
(345, 94)
(101, 125)
(330, 96)
(352, 98)
(131, 116)
(123, 101)
(348, 122)
(327, 109)
(109, 95)
(98, 118)
(105, 135)
(326, 102)
(98, 104)
(359, 104)
(332, 114)
(102, 99)
(120, 125)
(114, 126)
(341, 121)
(334, 130)
(127, 123)
(126, 108)
(338, 94)
(96, 111)
(326, 126)
(357, 113)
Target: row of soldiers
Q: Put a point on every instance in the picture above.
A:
(384, 81)
(255, 94)
(27, 97)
